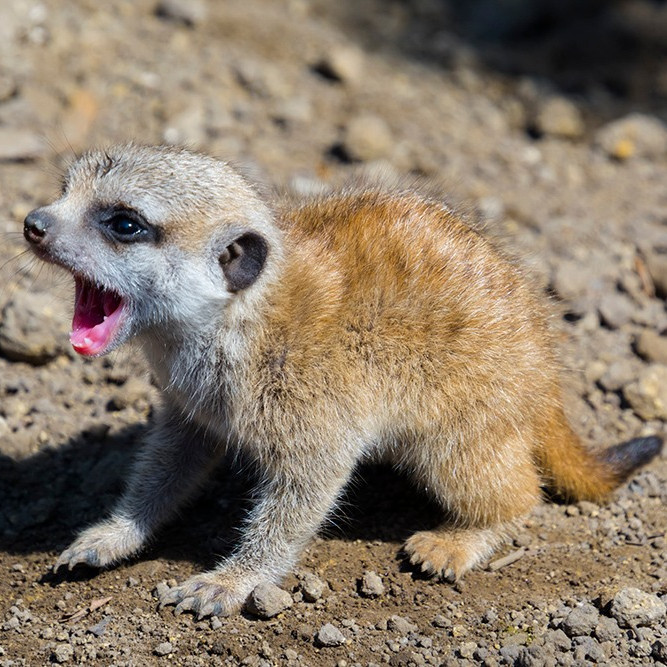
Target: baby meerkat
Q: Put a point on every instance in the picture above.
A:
(353, 326)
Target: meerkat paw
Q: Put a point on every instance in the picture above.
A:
(208, 594)
(104, 544)
(449, 554)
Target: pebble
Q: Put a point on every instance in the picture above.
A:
(62, 653)
(616, 309)
(371, 584)
(33, 328)
(312, 587)
(632, 607)
(268, 600)
(100, 628)
(559, 117)
(619, 373)
(607, 629)
(367, 137)
(581, 620)
(652, 346)
(342, 63)
(165, 648)
(648, 395)
(399, 624)
(186, 12)
(586, 648)
(635, 135)
(656, 263)
(17, 144)
(329, 635)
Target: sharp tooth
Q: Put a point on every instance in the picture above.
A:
(87, 341)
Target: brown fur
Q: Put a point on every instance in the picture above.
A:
(381, 327)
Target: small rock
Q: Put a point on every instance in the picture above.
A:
(165, 648)
(510, 654)
(33, 328)
(343, 63)
(558, 639)
(268, 600)
(659, 650)
(652, 346)
(648, 395)
(329, 635)
(467, 649)
(371, 584)
(586, 648)
(312, 587)
(367, 137)
(559, 117)
(656, 263)
(637, 135)
(581, 620)
(400, 625)
(186, 12)
(100, 628)
(572, 280)
(632, 607)
(620, 373)
(616, 309)
(607, 629)
(17, 144)
(532, 656)
(62, 653)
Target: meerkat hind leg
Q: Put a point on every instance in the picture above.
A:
(449, 553)
(487, 489)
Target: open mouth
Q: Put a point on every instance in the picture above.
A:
(98, 315)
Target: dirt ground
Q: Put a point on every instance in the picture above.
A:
(547, 123)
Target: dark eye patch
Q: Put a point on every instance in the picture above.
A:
(124, 225)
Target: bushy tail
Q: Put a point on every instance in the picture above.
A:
(574, 472)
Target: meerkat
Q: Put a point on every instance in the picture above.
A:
(311, 336)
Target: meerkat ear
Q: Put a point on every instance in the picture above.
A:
(243, 260)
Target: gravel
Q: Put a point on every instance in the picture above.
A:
(304, 94)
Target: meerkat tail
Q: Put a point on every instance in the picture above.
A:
(574, 472)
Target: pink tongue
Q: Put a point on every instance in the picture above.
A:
(97, 315)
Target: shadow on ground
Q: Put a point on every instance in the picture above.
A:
(611, 53)
(49, 497)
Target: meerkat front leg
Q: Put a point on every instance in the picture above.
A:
(294, 501)
(171, 464)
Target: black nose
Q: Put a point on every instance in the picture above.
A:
(35, 226)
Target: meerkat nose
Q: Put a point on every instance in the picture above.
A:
(35, 226)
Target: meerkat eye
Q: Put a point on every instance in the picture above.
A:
(126, 226)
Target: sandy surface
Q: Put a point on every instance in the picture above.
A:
(532, 135)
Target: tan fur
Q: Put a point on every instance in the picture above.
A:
(381, 326)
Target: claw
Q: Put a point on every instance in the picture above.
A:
(209, 609)
(172, 596)
(449, 575)
(188, 604)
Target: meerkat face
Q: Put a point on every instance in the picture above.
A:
(157, 239)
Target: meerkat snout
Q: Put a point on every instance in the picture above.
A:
(305, 336)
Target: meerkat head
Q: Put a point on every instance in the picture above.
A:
(157, 239)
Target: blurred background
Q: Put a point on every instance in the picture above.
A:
(545, 119)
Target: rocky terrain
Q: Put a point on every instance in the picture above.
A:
(544, 121)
